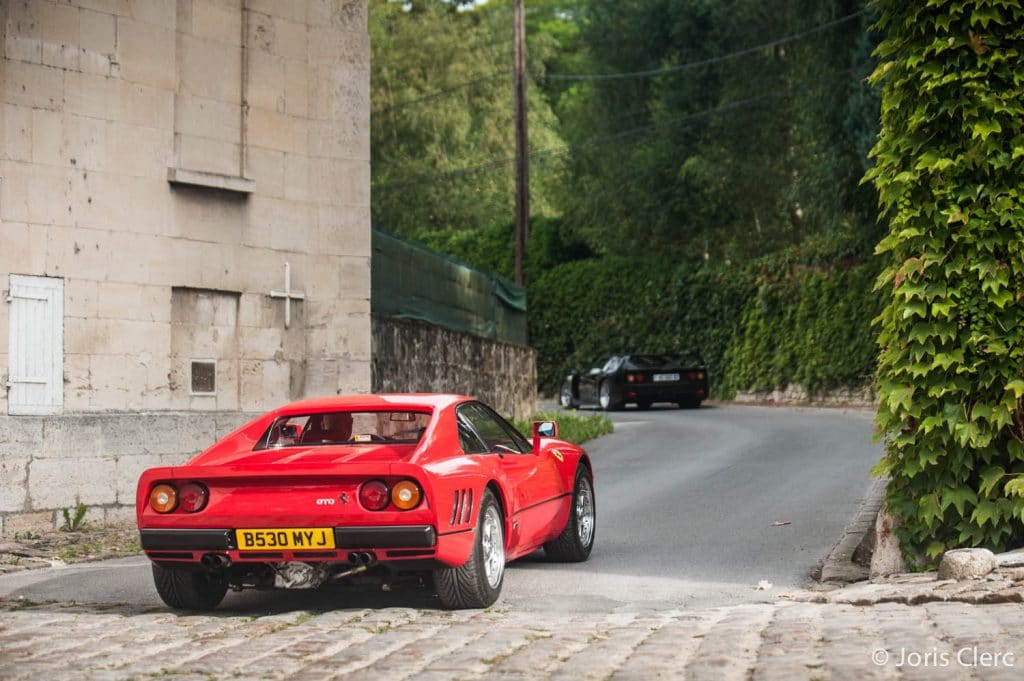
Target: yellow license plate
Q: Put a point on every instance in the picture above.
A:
(289, 538)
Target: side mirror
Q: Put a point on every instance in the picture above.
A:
(543, 429)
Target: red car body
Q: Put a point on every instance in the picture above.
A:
(304, 502)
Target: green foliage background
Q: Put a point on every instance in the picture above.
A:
(949, 165)
(801, 316)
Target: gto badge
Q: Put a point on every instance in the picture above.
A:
(557, 454)
(327, 501)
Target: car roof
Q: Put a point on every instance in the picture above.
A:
(410, 401)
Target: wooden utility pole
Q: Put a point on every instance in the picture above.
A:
(522, 153)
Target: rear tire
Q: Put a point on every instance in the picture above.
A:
(643, 404)
(605, 398)
(577, 539)
(187, 589)
(477, 583)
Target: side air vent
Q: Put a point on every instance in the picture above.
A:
(462, 507)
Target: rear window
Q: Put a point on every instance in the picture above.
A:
(345, 428)
(656, 361)
(650, 361)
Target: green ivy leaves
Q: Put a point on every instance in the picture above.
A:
(949, 168)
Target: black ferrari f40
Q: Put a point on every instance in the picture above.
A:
(638, 379)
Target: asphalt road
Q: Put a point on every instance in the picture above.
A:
(686, 502)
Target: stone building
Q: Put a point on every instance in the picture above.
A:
(184, 232)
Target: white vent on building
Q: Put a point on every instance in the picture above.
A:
(35, 373)
(203, 379)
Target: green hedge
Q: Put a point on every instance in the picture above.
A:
(758, 327)
(812, 329)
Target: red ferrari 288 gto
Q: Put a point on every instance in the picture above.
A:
(325, 490)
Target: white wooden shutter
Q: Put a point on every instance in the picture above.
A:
(35, 377)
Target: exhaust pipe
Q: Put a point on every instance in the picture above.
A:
(347, 573)
(215, 561)
(361, 558)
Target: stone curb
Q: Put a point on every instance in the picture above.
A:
(838, 566)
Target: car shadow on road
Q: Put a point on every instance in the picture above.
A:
(633, 409)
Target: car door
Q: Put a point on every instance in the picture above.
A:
(589, 381)
(533, 484)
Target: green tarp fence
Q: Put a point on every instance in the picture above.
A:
(411, 281)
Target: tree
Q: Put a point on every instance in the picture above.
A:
(949, 169)
(441, 124)
(737, 132)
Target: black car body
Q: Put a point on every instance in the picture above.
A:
(637, 379)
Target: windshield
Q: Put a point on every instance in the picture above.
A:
(345, 428)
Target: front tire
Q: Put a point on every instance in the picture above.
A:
(575, 542)
(187, 589)
(477, 583)
(566, 397)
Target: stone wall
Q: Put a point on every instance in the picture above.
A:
(411, 356)
(865, 396)
(48, 463)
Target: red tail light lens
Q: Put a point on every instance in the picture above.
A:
(374, 495)
(192, 497)
(700, 375)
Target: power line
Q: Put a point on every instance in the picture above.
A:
(633, 74)
(495, 164)
(703, 62)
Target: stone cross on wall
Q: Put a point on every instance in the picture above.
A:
(288, 294)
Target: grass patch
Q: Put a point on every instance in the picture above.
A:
(572, 426)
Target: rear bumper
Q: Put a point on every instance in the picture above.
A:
(666, 393)
(375, 537)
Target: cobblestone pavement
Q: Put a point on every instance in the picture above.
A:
(785, 641)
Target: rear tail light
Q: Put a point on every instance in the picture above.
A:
(700, 375)
(192, 497)
(163, 498)
(373, 495)
(406, 495)
(635, 378)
